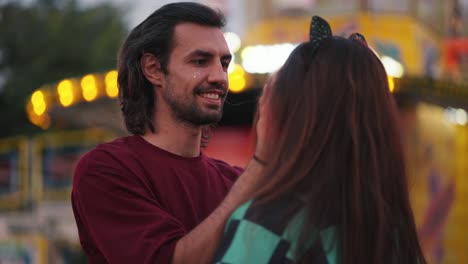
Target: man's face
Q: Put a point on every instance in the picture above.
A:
(197, 81)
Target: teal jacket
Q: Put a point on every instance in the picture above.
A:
(251, 239)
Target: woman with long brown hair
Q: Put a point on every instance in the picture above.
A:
(333, 187)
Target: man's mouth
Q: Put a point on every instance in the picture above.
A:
(213, 96)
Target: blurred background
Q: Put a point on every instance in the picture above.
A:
(58, 99)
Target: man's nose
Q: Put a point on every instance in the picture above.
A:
(218, 75)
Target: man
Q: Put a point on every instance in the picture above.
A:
(153, 197)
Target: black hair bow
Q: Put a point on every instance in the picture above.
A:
(320, 30)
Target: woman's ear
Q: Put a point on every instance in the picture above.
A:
(151, 68)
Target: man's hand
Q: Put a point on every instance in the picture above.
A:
(200, 244)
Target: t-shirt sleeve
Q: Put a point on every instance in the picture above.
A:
(119, 219)
(232, 172)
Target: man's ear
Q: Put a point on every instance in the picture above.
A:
(151, 68)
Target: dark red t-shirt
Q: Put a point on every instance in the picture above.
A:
(132, 201)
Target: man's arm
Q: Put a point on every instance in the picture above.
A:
(200, 244)
(118, 216)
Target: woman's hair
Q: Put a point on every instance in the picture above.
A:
(154, 35)
(334, 149)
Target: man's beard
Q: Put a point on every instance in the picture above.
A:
(191, 112)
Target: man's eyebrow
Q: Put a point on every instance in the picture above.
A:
(227, 57)
(207, 54)
(200, 53)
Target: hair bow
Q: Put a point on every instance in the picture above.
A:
(319, 30)
(358, 37)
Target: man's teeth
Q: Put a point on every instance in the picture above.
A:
(210, 95)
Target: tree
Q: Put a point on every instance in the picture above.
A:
(47, 41)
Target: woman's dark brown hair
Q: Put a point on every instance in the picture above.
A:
(334, 149)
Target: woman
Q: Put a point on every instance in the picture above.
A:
(333, 187)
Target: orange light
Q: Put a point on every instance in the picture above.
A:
(89, 87)
(38, 102)
(42, 121)
(111, 84)
(65, 91)
(237, 82)
(391, 84)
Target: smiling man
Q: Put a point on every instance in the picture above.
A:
(154, 197)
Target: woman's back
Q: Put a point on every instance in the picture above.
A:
(333, 187)
(253, 237)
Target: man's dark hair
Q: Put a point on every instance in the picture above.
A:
(155, 36)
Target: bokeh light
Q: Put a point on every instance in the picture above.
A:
(237, 81)
(111, 84)
(38, 102)
(65, 92)
(89, 87)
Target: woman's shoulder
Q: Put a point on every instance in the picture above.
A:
(260, 232)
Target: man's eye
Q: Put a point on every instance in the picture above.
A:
(225, 64)
(200, 62)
